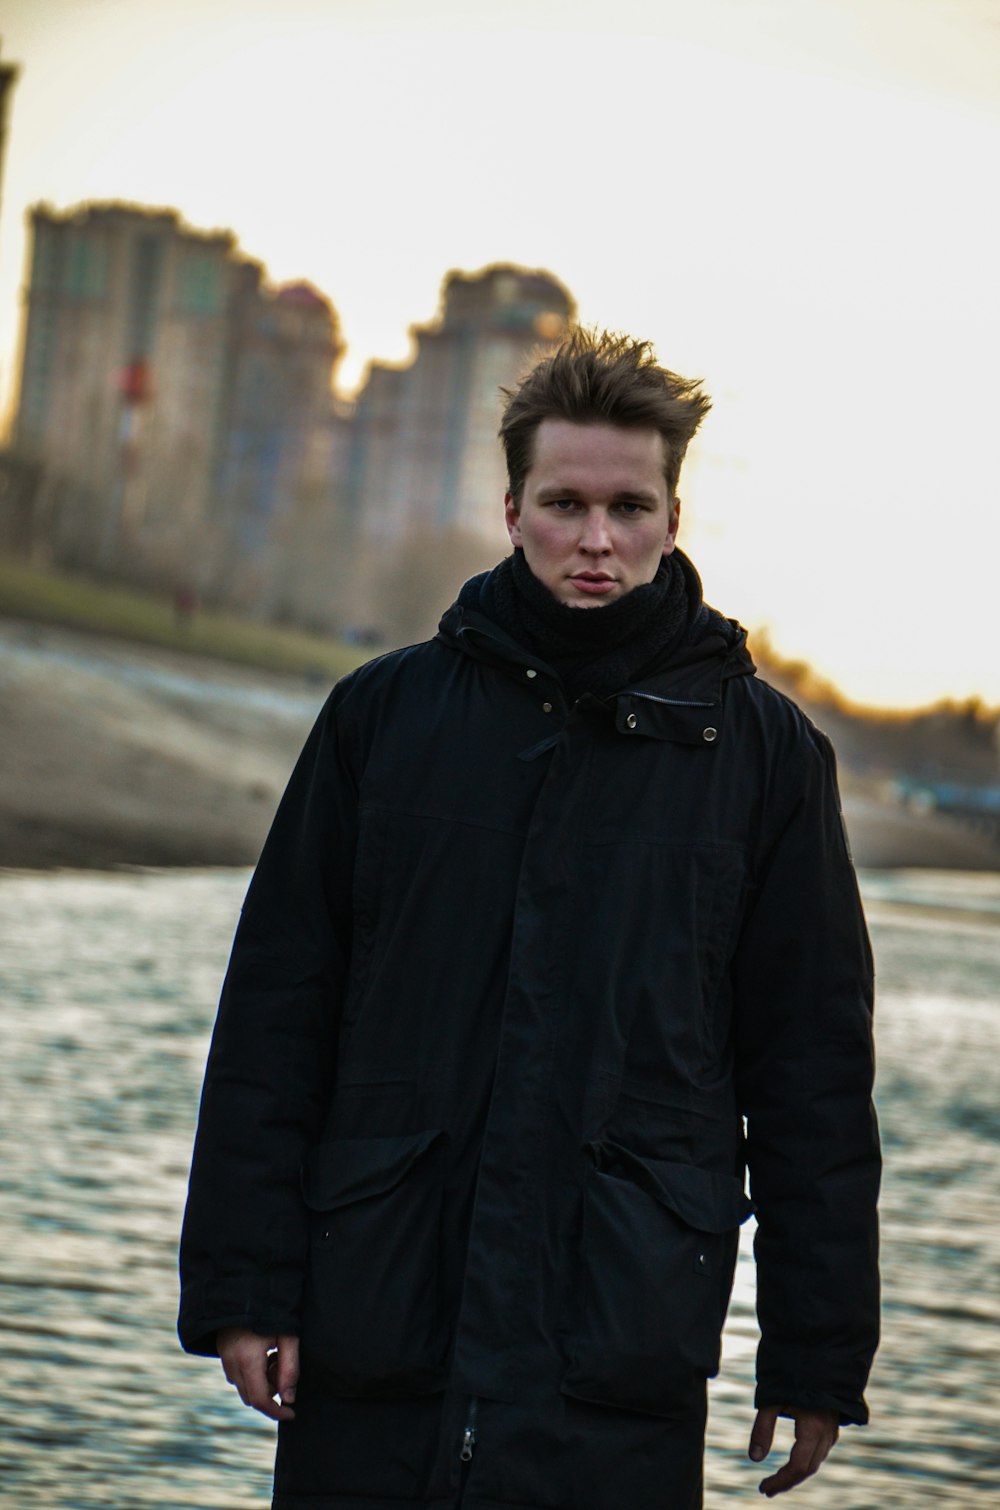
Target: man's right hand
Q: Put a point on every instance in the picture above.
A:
(260, 1368)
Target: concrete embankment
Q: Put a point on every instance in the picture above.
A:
(116, 755)
(112, 754)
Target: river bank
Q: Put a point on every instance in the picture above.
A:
(116, 754)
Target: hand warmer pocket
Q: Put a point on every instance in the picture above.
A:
(371, 1318)
(655, 1271)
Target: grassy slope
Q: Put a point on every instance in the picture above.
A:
(78, 603)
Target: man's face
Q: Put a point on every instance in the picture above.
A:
(595, 517)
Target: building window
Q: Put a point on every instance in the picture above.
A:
(201, 287)
(44, 261)
(86, 269)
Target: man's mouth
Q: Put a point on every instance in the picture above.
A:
(593, 582)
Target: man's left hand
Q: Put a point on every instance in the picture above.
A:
(815, 1433)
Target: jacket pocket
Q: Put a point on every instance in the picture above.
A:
(658, 1251)
(371, 1311)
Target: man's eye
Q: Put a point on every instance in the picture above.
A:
(628, 507)
(564, 504)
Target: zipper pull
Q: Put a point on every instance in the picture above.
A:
(469, 1434)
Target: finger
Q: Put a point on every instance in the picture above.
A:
(271, 1409)
(247, 1364)
(286, 1392)
(803, 1460)
(260, 1397)
(257, 1390)
(287, 1369)
(762, 1434)
(239, 1369)
(235, 1368)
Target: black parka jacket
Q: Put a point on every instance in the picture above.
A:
(518, 990)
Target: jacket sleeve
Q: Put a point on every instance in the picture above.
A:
(803, 991)
(271, 1062)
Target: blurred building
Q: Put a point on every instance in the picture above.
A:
(177, 406)
(425, 455)
(279, 409)
(127, 356)
(426, 473)
(284, 450)
(177, 425)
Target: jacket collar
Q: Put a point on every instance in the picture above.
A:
(681, 701)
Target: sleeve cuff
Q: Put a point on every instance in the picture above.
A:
(208, 1306)
(850, 1412)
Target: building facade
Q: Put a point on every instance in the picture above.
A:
(425, 453)
(426, 473)
(177, 406)
(123, 382)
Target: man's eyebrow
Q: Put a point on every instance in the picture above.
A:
(623, 495)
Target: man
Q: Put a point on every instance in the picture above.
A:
(555, 931)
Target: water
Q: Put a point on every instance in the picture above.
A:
(108, 987)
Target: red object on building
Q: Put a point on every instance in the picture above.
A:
(135, 382)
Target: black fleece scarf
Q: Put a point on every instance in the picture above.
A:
(597, 650)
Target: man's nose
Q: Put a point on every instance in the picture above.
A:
(596, 537)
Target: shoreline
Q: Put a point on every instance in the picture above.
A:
(121, 756)
(116, 755)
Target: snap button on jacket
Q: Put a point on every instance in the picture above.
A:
(518, 993)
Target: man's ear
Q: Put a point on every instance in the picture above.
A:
(512, 516)
(672, 527)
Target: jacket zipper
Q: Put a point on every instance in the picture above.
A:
(469, 1434)
(674, 702)
(466, 1450)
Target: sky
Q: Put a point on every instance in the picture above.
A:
(795, 200)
